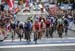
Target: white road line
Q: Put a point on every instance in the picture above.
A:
(15, 40)
(41, 45)
(44, 38)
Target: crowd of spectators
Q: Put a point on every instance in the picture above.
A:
(6, 17)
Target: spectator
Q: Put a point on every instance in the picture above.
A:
(2, 7)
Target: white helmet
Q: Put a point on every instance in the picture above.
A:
(42, 21)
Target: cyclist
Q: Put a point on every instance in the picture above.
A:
(66, 24)
(21, 26)
(60, 27)
(47, 22)
(36, 29)
(43, 28)
(27, 29)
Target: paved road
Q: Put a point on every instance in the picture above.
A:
(71, 34)
(55, 40)
(42, 41)
(53, 48)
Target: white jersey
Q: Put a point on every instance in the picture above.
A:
(21, 23)
(60, 21)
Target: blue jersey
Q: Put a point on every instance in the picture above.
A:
(28, 26)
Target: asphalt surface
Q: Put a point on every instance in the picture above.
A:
(70, 38)
(71, 34)
(53, 48)
(43, 41)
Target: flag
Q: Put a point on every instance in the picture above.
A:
(10, 3)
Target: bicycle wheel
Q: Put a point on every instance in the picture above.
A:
(36, 36)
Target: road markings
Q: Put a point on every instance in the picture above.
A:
(38, 45)
(66, 38)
